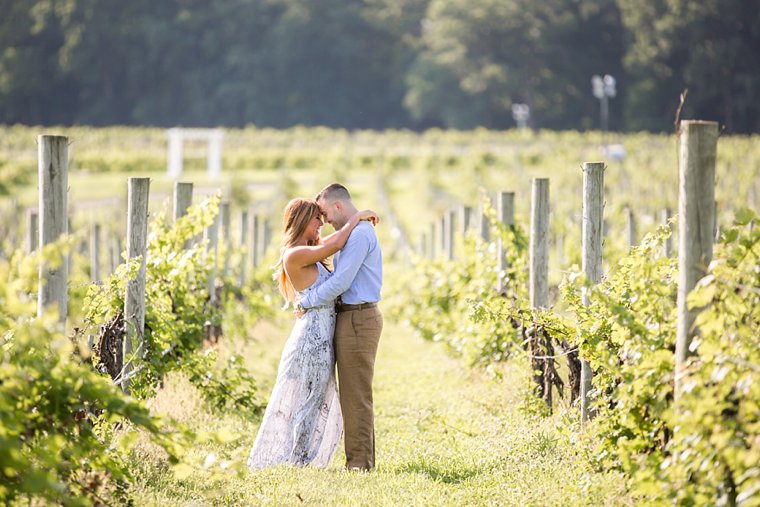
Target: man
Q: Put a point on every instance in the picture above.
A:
(356, 284)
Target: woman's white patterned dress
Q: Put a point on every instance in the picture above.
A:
(302, 424)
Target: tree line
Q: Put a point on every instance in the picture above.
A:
(375, 64)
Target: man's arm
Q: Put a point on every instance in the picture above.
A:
(351, 258)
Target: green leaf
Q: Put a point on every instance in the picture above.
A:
(730, 235)
(744, 216)
(701, 296)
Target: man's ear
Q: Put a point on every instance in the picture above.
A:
(339, 206)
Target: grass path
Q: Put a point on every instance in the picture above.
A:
(446, 435)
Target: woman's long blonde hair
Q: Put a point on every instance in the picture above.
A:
(296, 217)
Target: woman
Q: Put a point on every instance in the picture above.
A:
(302, 424)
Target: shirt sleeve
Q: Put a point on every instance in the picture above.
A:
(351, 258)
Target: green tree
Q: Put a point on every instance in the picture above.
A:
(478, 60)
(33, 88)
(709, 47)
(325, 63)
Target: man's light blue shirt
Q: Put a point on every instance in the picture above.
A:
(358, 275)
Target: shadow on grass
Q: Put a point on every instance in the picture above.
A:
(440, 472)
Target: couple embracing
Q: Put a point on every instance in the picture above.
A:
(338, 321)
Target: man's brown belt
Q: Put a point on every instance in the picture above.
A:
(341, 307)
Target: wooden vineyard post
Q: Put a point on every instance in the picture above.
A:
(95, 252)
(225, 210)
(448, 234)
(506, 205)
(212, 248)
(630, 220)
(593, 212)
(243, 247)
(539, 234)
(134, 303)
(183, 198)
(213, 330)
(32, 231)
(484, 225)
(255, 240)
(541, 348)
(696, 216)
(466, 219)
(442, 235)
(53, 169)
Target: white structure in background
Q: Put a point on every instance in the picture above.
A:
(614, 151)
(177, 137)
(603, 89)
(521, 115)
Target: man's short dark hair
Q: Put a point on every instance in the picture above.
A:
(334, 192)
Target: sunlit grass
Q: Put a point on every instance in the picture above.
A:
(446, 435)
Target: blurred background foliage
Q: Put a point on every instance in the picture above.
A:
(377, 64)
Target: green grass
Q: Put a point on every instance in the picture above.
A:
(446, 435)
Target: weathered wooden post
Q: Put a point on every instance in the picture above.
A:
(183, 198)
(213, 331)
(53, 169)
(255, 240)
(212, 248)
(466, 219)
(243, 247)
(442, 235)
(448, 229)
(667, 246)
(539, 241)
(593, 212)
(484, 225)
(630, 220)
(134, 303)
(32, 230)
(539, 284)
(506, 211)
(225, 209)
(698, 142)
(95, 252)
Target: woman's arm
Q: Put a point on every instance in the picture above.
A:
(341, 235)
(306, 255)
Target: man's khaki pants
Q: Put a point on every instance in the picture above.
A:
(357, 333)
